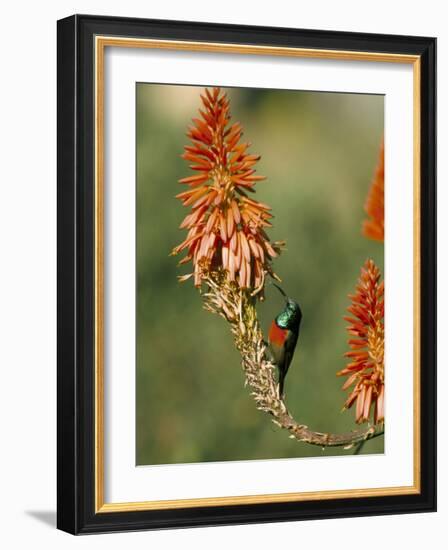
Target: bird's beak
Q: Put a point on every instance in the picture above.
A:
(282, 292)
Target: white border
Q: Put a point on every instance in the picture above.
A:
(124, 482)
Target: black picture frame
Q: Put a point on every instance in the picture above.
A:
(76, 286)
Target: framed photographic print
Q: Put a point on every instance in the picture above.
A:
(246, 274)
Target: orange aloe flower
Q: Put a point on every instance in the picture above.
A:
(366, 368)
(373, 227)
(226, 228)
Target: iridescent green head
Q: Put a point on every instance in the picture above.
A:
(291, 315)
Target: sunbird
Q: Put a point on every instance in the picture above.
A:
(282, 338)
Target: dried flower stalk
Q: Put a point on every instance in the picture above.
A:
(232, 254)
(237, 307)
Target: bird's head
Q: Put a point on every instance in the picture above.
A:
(291, 315)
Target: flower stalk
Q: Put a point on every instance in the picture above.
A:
(365, 371)
(238, 308)
(231, 255)
(373, 226)
(226, 227)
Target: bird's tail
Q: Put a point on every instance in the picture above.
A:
(281, 384)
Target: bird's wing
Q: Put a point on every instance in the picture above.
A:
(290, 346)
(278, 354)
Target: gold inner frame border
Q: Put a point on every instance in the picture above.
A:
(100, 44)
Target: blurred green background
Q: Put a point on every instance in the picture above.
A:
(318, 151)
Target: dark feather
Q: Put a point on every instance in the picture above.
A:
(283, 366)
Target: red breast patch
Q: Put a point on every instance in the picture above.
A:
(277, 335)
